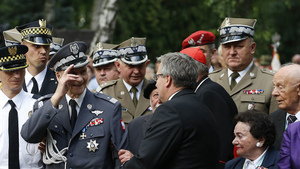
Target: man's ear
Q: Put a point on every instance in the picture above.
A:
(168, 81)
(58, 75)
(118, 65)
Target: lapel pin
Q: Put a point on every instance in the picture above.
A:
(89, 106)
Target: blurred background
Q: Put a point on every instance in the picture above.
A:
(165, 23)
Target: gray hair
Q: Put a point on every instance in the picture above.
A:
(202, 68)
(181, 68)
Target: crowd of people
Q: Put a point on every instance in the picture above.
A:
(201, 107)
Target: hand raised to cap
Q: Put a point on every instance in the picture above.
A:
(64, 83)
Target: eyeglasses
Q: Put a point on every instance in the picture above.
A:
(155, 77)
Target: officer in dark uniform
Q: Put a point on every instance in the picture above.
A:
(129, 89)
(86, 134)
(37, 36)
(249, 86)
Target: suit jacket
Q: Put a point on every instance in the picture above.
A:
(290, 150)
(48, 86)
(117, 89)
(95, 107)
(254, 79)
(279, 119)
(181, 135)
(218, 101)
(136, 132)
(270, 160)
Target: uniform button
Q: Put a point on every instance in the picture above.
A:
(63, 132)
(91, 134)
(71, 154)
(55, 126)
(252, 98)
(48, 116)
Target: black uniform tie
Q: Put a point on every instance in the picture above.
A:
(234, 75)
(134, 90)
(13, 135)
(35, 89)
(291, 119)
(74, 112)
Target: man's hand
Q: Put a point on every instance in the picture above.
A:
(42, 145)
(64, 83)
(124, 155)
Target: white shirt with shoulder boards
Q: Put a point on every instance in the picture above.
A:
(30, 156)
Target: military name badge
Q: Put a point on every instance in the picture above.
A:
(258, 91)
(251, 106)
(92, 145)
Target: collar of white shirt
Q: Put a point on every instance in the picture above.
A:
(39, 78)
(241, 73)
(78, 100)
(139, 88)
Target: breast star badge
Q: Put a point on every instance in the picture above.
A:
(92, 145)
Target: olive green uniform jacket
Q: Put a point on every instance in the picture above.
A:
(117, 89)
(254, 90)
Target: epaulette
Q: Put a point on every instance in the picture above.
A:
(39, 103)
(106, 97)
(268, 71)
(215, 71)
(107, 84)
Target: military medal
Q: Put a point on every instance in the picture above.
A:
(92, 145)
(258, 91)
(251, 106)
(82, 136)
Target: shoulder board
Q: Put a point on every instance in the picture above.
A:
(106, 97)
(215, 71)
(107, 84)
(45, 97)
(268, 71)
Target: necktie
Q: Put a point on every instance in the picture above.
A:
(35, 89)
(13, 135)
(234, 75)
(74, 112)
(291, 119)
(134, 90)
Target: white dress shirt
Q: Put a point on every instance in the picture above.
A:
(39, 79)
(241, 73)
(30, 156)
(138, 87)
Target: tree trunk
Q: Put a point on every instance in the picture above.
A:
(103, 21)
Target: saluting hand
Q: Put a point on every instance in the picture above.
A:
(64, 79)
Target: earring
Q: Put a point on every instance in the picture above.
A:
(258, 144)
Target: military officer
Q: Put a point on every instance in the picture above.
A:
(86, 134)
(15, 104)
(249, 86)
(37, 36)
(103, 63)
(129, 89)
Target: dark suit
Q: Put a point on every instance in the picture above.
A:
(95, 106)
(218, 101)
(270, 160)
(279, 119)
(49, 84)
(181, 135)
(136, 132)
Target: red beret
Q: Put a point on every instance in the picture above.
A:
(198, 38)
(195, 53)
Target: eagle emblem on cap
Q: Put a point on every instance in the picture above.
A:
(12, 50)
(133, 42)
(74, 48)
(42, 23)
(227, 22)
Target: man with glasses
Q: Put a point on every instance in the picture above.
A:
(129, 89)
(104, 58)
(181, 133)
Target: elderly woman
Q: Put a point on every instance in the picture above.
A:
(254, 136)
